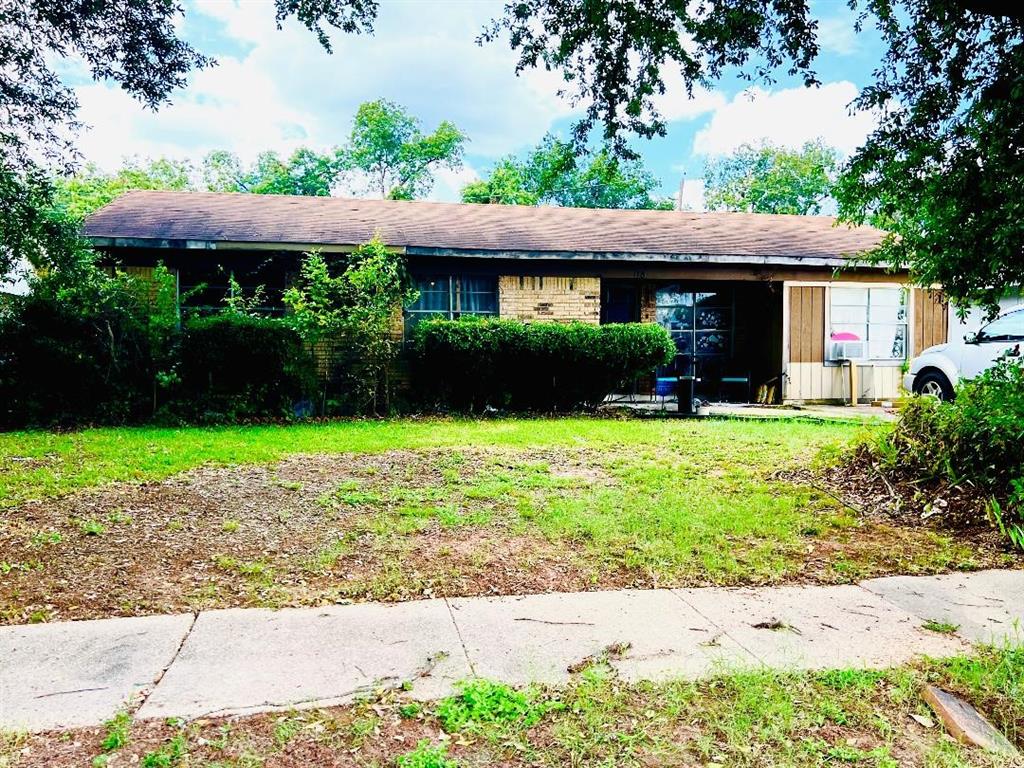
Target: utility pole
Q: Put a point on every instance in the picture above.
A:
(682, 182)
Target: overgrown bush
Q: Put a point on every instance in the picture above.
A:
(352, 315)
(470, 364)
(236, 367)
(84, 347)
(975, 441)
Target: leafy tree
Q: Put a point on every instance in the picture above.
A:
(508, 184)
(353, 314)
(552, 173)
(943, 170)
(132, 43)
(304, 172)
(768, 179)
(32, 225)
(388, 145)
(91, 189)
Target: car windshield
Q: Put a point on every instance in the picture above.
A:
(1006, 328)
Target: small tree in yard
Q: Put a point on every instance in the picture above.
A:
(354, 313)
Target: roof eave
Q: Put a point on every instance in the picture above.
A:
(526, 255)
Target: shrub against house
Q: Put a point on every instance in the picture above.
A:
(91, 347)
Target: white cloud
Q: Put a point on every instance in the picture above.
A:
(281, 90)
(674, 104)
(837, 35)
(449, 183)
(787, 118)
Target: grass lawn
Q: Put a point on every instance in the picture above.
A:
(138, 521)
(834, 718)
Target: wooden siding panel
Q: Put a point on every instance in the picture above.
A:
(930, 319)
(817, 331)
(807, 324)
(795, 313)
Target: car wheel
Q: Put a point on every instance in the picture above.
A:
(934, 384)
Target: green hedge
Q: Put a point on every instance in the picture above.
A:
(470, 364)
(235, 367)
(64, 364)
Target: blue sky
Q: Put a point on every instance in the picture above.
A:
(278, 90)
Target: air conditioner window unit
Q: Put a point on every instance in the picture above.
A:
(846, 350)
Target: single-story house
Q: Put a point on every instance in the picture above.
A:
(763, 297)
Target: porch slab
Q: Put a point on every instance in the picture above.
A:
(987, 606)
(537, 638)
(81, 673)
(246, 660)
(819, 627)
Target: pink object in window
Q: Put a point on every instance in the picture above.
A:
(845, 336)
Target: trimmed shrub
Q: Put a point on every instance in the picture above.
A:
(236, 367)
(470, 364)
(975, 441)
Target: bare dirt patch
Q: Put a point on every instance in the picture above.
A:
(309, 530)
(897, 517)
(403, 525)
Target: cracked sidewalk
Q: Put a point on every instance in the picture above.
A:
(248, 660)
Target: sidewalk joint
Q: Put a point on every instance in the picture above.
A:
(721, 630)
(146, 693)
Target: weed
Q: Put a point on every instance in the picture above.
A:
(410, 710)
(426, 756)
(288, 485)
(327, 556)
(11, 744)
(90, 526)
(176, 524)
(362, 728)
(119, 517)
(942, 627)
(285, 729)
(482, 701)
(349, 493)
(43, 538)
(230, 526)
(117, 730)
(171, 754)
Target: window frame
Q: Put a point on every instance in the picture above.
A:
(455, 293)
(683, 288)
(908, 297)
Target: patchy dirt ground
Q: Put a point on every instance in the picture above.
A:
(402, 525)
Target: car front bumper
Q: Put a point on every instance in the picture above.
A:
(908, 382)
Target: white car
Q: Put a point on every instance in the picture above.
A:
(937, 370)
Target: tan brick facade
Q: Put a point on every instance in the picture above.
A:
(648, 313)
(543, 297)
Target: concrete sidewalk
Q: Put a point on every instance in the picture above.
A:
(246, 660)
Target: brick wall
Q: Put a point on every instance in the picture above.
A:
(542, 297)
(647, 304)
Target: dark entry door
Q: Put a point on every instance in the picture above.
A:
(620, 303)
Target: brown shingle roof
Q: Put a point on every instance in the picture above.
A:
(438, 227)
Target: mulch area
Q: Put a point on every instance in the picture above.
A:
(860, 484)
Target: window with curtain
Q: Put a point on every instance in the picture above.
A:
(876, 317)
(453, 296)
